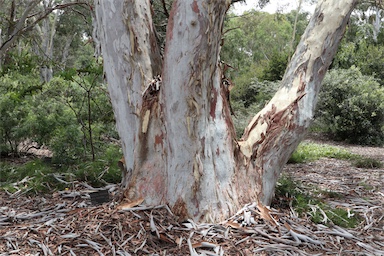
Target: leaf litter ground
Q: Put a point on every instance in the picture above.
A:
(66, 223)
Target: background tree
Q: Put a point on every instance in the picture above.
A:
(177, 136)
(363, 44)
(20, 17)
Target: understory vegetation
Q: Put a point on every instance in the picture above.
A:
(38, 175)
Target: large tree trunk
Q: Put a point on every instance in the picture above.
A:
(131, 60)
(178, 138)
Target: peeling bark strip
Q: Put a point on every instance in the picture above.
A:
(179, 143)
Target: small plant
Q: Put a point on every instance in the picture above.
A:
(330, 194)
(34, 177)
(101, 171)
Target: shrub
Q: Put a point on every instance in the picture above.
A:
(16, 91)
(276, 67)
(256, 92)
(351, 107)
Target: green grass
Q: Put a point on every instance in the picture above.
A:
(38, 176)
(34, 176)
(290, 193)
(309, 152)
(368, 163)
(309, 201)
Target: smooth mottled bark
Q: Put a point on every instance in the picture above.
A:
(275, 132)
(177, 136)
(131, 60)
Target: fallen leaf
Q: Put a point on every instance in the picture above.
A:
(265, 214)
(128, 205)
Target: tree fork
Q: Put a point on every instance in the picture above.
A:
(180, 145)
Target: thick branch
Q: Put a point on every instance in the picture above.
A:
(275, 131)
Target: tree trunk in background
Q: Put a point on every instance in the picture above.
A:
(177, 136)
(44, 48)
(376, 23)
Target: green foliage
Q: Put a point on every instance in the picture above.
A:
(351, 107)
(34, 177)
(161, 11)
(243, 116)
(367, 57)
(291, 193)
(20, 63)
(71, 116)
(101, 171)
(87, 105)
(248, 100)
(252, 39)
(16, 91)
(276, 67)
(66, 145)
(359, 46)
(259, 92)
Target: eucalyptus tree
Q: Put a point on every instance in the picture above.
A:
(173, 115)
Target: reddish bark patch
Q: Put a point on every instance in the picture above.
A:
(195, 7)
(159, 139)
(213, 103)
(150, 184)
(277, 119)
(171, 21)
(302, 85)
